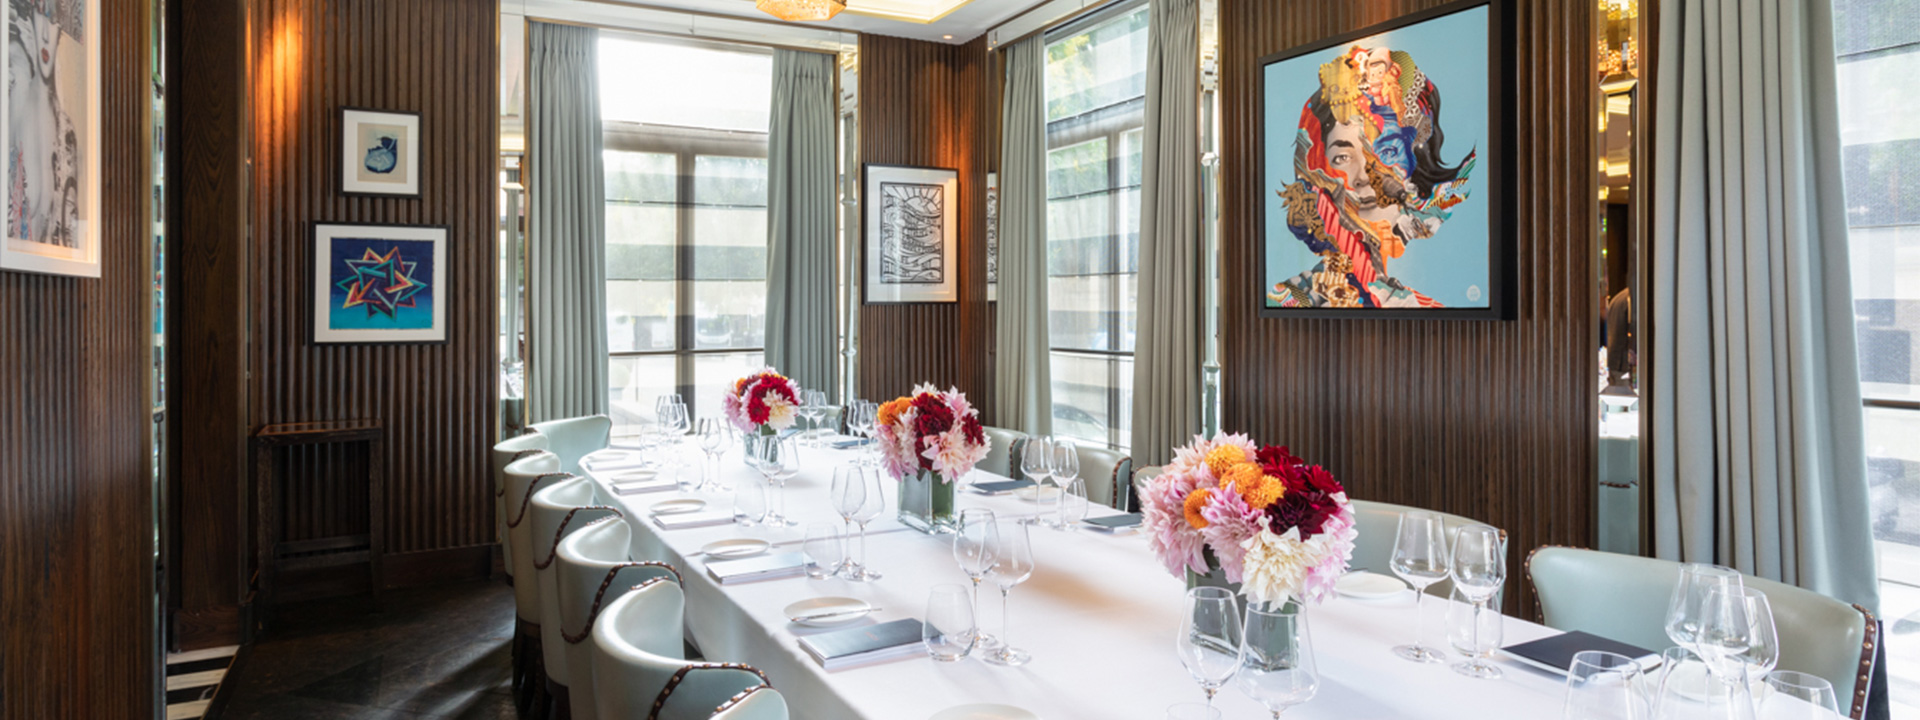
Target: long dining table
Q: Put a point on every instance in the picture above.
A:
(1099, 616)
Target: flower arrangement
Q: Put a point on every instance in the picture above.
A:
(1281, 528)
(930, 431)
(764, 401)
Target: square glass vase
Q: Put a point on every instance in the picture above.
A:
(926, 503)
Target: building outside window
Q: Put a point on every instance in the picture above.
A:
(1096, 108)
(686, 190)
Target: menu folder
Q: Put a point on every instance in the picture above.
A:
(1001, 487)
(854, 647)
(1555, 653)
(764, 567)
(693, 520)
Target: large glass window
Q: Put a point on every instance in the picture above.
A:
(1096, 107)
(1878, 43)
(686, 185)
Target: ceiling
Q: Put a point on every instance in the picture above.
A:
(954, 21)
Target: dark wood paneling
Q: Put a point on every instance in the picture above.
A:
(437, 401)
(927, 104)
(76, 533)
(1493, 420)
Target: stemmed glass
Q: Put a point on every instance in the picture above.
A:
(1064, 469)
(1276, 659)
(1689, 594)
(1815, 696)
(814, 409)
(1420, 558)
(1036, 462)
(1210, 638)
(1763, 642)
(1012, 553)
(870, 508)
(974, 542)
(848, 493)
(673, 427)
(1073, 505)
(655, 436)
(714, 435)
(1479, 569)
(779, 460)
(1600, 686)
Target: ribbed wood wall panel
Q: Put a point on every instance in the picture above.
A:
(927, 104)
(76, 525)
(437, 58)
(1493, 420)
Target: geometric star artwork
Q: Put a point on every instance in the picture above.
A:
(381, 283)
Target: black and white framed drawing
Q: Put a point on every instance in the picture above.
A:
(50, 117)
(379, 152)
(908, 226)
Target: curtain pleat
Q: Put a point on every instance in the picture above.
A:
(1171, 341)
(1022, 392)
(800, 220)
(566, 238)
(1758, 450)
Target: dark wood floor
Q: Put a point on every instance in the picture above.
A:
(438, 652)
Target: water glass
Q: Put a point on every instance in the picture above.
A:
(1210, 637)
(1064, 469)
(1036, 462)
(949, 628)
(1727, 631)
(974, 540)
(1600, 686)
(1474, 634)
(847, 494)
(1276, 659)
(779, 461)
(823, 550)
(1073, 504)
(870, 508)
(749, 502)
(714, 435)
(1801, 696)
(1420, 558)
(1012, 564)
(1479, 569)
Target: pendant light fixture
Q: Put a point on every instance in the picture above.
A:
(801, 10)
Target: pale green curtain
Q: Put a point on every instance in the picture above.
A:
(566, 213)
(800, 222)
(1759, 461)
(1022, 394)
(1172, 289)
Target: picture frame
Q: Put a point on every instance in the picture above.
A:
(53, 113)
(908, 228)
(993, 237)
(369, 286)
(379, 152)
(1412, 218)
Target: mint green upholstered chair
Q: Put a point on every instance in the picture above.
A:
(1108, 474)
(595, 570)
(759, 703)
(1624, 597)
(1001, 445)
(504, 453)
(1378, 525)
(574, 438)
(637, 647)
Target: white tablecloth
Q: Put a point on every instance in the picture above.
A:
(1099, 616)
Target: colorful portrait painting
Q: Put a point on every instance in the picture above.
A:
(379, 284)
(1376, 192)
(52, 138)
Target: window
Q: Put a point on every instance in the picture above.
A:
(1878, 43)
(686, 189)
(1096, 107)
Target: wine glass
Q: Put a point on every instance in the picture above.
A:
(1471, 633)
(1727, 631)
(1763, 640)
(1683, 607)
(824, 549)
(1420, 558)
(813, 406)
(848, 493)
(1012, 564)
(673, 425)
(875, 503)
(1073, 505)
(1600, 686)
(1036, 462)
(974, 541)
(1064, 470)
(1276, 665)
(1210, 637)
(1479, 569)
(713, 440)
(949, 631)
(1801, 696)
(779, 461)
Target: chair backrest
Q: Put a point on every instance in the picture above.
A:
(760, 703)
(524, 477)
(595, 571)
(1625, 597)
(1107, 473)
(1378, 528)
(559, 509)
(504, 453)
(835, 413)
(637, 666)
(1140, 477)
(573, 438)
(1001, 446)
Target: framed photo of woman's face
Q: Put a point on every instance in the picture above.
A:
(51, 122)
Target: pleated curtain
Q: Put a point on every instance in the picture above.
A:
(800, 220)
(1170, 339)
(1758, 453)
(1022, 394)
(566, 215)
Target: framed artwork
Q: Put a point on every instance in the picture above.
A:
(1375, 202)
(379, 152)
(379, 283)
(993, 237)
(908, 230)
(51, 121)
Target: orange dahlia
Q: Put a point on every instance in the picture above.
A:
(1263, 492)
(890, 410)
(1195, 501)
(1223, 458)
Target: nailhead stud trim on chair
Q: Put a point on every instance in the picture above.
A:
(660, 703)
(527, 502)
(553, 551)
(594, 614)
(738, 698)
